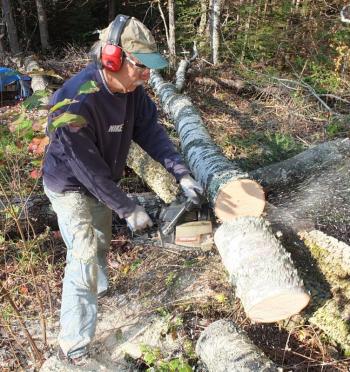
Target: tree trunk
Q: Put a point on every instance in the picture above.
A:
(216, 30)
(44, 31)
(11, 27)
(224, 347)
(269, 288)
(172, 39)
(153, 173)
(203, 21)
(228, 189)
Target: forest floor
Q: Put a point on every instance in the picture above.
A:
(255, 124)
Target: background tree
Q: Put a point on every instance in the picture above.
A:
(44, 32)
(11, 27)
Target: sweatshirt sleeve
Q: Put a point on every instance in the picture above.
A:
(151, 136)
(88, 166)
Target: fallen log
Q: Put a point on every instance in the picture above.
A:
(224, 347)
(228, 188)
(35, 213)
(32, 67)
(153, 173)
(262, 271)
(331, 315)
(311, 161)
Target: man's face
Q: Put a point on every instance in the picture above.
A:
(137, 73)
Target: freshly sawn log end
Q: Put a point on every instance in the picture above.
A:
(262, 271)
(224, 347)
(238, 198)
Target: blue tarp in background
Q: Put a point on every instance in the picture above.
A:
(9, 76)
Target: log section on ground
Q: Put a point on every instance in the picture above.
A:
(332, 314)
(152, 173)
(301, 166)
(33, 69)
(224, 347)
(266, 281)
(229, 189)
(35, 212)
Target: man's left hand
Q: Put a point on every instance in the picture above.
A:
(191, 188)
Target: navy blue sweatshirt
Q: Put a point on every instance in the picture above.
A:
(91, 159)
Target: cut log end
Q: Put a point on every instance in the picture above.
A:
(278, 307)
(243, 197)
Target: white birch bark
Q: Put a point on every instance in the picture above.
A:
(223, 347)
(266, 281)
(216, 30)
(172, 39)
(211, 169)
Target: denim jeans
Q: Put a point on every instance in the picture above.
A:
(86, 227)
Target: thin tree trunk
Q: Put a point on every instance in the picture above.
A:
(216, 30)
(203, 21)
(44, 31)
(11, 27)
(172, 39)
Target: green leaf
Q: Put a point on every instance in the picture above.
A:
(36, 163)
(88, 88)
(65, 102)
(36, 100)
(22, 125)
(67, 119)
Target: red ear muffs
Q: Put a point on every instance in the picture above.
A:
(112, 57)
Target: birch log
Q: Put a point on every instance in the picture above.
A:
(152, 173)
(300, 166)
(230, 191)
(38, 81)
(266, 281)
(224, 347)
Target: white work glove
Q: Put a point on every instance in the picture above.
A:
(138, 219)
(191, 188)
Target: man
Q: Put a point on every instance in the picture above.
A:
(83, 165)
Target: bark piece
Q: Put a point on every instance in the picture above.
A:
(224, 347)
(153, 173)
(262, 271)
(228, 188)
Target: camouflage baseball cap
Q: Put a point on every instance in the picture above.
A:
(137, 39)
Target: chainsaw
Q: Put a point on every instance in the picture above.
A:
(185, 223)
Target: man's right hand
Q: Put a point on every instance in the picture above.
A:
(138, 219)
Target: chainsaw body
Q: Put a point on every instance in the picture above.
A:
(187, 224)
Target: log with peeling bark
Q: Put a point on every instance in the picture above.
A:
(297, 168)
(35, 213)
(228, 188)
(262, 271)
(332, 312)
(222, 346)
(152, 173)
(38, 81)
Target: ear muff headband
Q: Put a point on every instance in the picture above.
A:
(112, 54)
